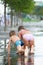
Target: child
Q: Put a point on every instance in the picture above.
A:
(16, 40)
(27, 37)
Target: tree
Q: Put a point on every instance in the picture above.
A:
(20, 6)
(25, 6)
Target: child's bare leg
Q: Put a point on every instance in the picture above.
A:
(26, 50)
(32, 46)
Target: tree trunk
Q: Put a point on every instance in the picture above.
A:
(5, 23)
(14, 18)
(11, 18)
(5, 15)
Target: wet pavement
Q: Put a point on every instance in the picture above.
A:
(36, 59)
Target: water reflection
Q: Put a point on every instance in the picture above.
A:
(9, 60)
(20, 60)
(34, 59)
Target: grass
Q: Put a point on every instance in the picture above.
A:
(29, 20)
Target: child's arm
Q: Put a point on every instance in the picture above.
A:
(9, 46)
(19, 34)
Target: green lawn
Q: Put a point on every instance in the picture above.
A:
(29, 20)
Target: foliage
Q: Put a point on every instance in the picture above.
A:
(38, 10)
(25, 6)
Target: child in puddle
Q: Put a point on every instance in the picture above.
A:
(27, 38)
(16, 40)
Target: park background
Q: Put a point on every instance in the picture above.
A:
(28, 13)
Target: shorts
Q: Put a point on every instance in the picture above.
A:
(28, 37)
(22, 43)
(19, 42)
